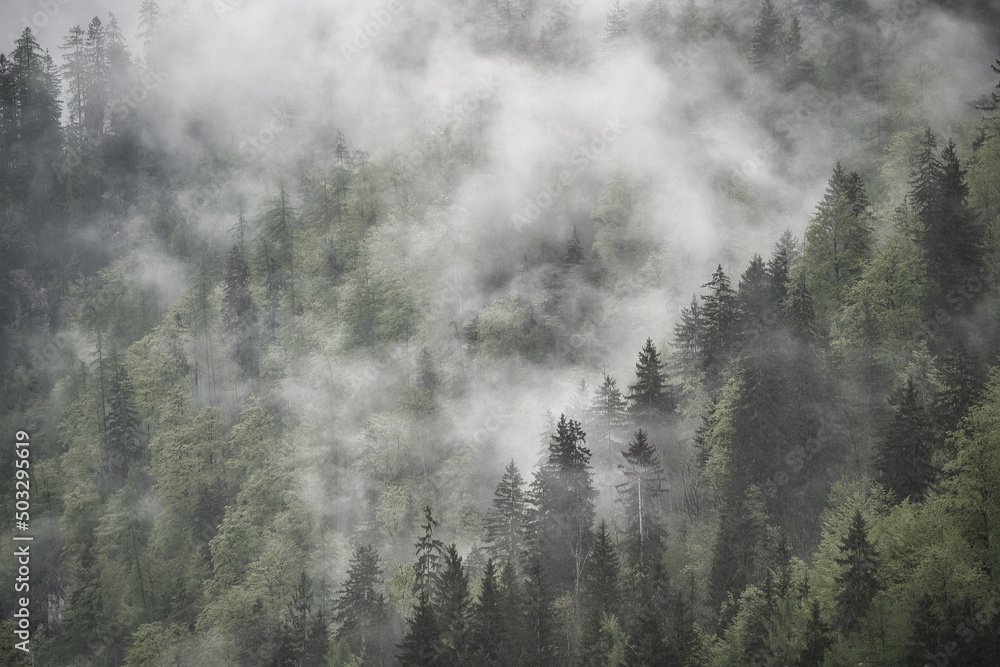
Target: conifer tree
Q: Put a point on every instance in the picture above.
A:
(817, 639)
(421, 643)
(903, 458)
(562, 496)
(640, 496)
(766, 48)
(858, 583)
(361, 611)
(719, 313)
(452, 604)
(506, 520)
(651, 399)
(688, 338)
(239, 314)
(123, 449)
(302, 637)
(798, 308)
(615, 35)
(538, 611)
(960, 386)
(487, 617)
(601, 596)
(608, 418)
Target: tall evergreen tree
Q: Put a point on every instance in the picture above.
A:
(651, 399)
(903, 460)
(562, 496)
(688, 339)
(767, 49)
(615, 36)
(452, 604)
(601, 596)
(608, 418)
(540, 646)
(506, 520)
(421, 642)
(239, 314)
(488, 618)
(361, 612)
(960, 386)
(302, 636)
(817, 639)
(858, 583)
(122, 423)
(640, 496)
(719, 313)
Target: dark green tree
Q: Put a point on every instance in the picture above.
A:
(539, 637)
(421, 642)
(302, 639)
(817, 639)
(452, 605)
(960, 386)
(123, 451)
(858, 583)
(488, 623)
(651, 399)
(562, 496)
(601, 594)
(905, 451)
(361, 612)
(719, 312)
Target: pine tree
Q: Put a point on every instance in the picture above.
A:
(798, 308)
(719, 313)
(452, 604)
(538, 613)
(651, 399)
(766, 49)
(429, 550)
(122, 423)
(601, 594)
(688, 338)
(562, 496)
(640, 496)
(302, 637)
(903, 458)
(574, 251)
(757, 306)
(817, 639)
(239, 314)
(615, 36)
(858, 583)
(279, 221)
(421, 643)
(487, 617)
(926, 178)
(98, 78)
(608, 419)
(960, 387)
(506, 520)
(75, 75)
(361, 611)
(779, 267)
(952, 238)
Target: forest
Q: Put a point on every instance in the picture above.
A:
(507, 332)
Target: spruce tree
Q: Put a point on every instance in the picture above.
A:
(487, 617)
(651, 399)
(601, 595)
(719, 313)
(122, 422)
(858, 583)
(688, 339)
(615, 36)
(960, 386)
(452, 606)
(361, 611)
(817, 638)
(640, 496)
(766, 48)
(421, 642)
(506, 520)
(563, 496)
(239, 314)
(904, 455)
(539, 639)
(608, 418)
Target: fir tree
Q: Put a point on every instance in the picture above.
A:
(858, 583)
(122, 423)
(452, 604)
(601, 597)
(640, 495)
(817, 639)
(608, 417)
(563, 506)
(615, 36)
(302, 637)
(361, 611)
(903, 458)
(766, 49)
(538, 612)
(651, 399)
(506, 520)
(719, 313)
(798, 309)
(688, 338)
(421, 643)
(487, 617)
(960, 386)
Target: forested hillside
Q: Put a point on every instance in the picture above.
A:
(502, 333)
